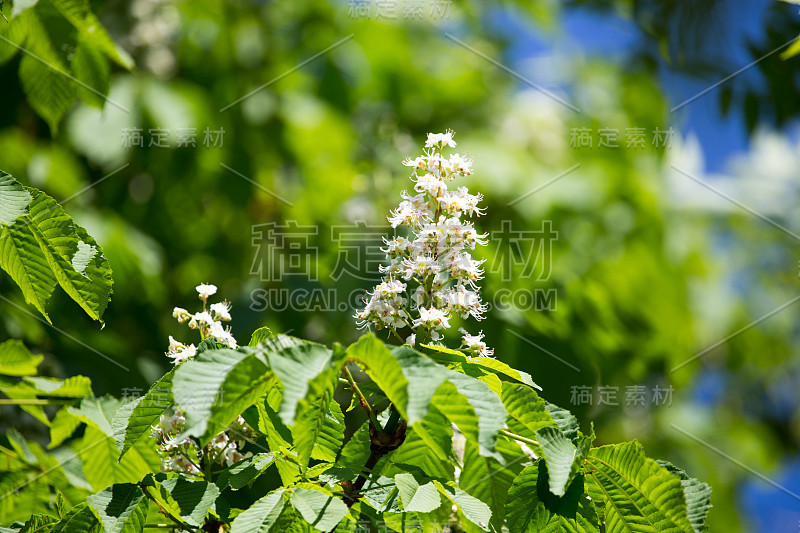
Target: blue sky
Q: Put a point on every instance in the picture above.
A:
(769, 507)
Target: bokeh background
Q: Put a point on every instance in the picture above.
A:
(658, 139)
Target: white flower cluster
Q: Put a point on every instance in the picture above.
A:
(435, 256)
(182, 455)
(208, 322)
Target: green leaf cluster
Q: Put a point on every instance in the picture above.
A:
(41, 247)
(65, 53)
(359, 438)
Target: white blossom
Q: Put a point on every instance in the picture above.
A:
(475, 345)
(205, 290)
(201, 319)
(180, 352)
(181, 315)
(221, 311)
(432, 262)
(440, 140)
(222, 334)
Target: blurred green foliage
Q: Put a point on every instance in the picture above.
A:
(643, 282)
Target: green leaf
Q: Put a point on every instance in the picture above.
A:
(296, 363)
(638, 494)
(412, 381)
(38, 523)
(563, 458)
(527, 412)
(102, 465)
(565, 420)
(16, 360)
(531, 507)
(16, 32)
(65, 245)
(415, 497)
(697, 495)
(488, 480)
(194, 498)
(261, 516)
(92, 70)
(500, 368)
(62, 427)
(381, 494)
(471, 508)
(386, 371)
(122, 508)
(14, 199)
(245, 471)
(260, 335)
(319, 425)
(45, 247)
(78, 14)
(356, 451)
(215, 386)
(319, 508)
(98, 411)
(279, 436)
(487, 406)
(72, 387)
(43, 74)
(428, 445)
(24, 261)
(133, 421)
(80, 518)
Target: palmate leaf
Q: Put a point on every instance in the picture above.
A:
(44, 75)
(122, 508)
(468, 506)
(318, 507)
(44, 247)
(215, 386)
(245, 471)
(49, 83)
(415, 497)
(102, 464)
(194, 498)
(428, 445)
(296, 363)
(91, 68)
(14, 199)
(133, 420)
(636, 492)
(565, 420)
(563, 458)
(531, 507)
(319, 423)
(262, 516)
(78, 13)
(488, 480)
(412, 381)
(80, 518)
(386, 371)
(16, 360)
(697, 495)
(319, 427)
